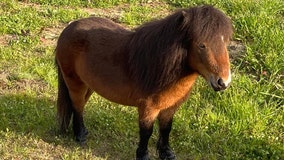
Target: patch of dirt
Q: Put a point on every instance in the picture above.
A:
(110, 13)
(5, 39)
(3, 80)
(49, 35)
(236, 49)
(10, 84)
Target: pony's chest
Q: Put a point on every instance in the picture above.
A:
(174, 95)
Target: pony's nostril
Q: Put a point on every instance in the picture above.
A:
(221, 83)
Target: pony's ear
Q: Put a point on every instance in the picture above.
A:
(185, 15)
(183, 19)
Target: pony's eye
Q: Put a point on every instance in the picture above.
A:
(202, 46)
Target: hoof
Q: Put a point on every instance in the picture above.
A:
(142, 155)
(166, 154)
(145, 157)
(81, 138)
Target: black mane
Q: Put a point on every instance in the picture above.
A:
(158, 49)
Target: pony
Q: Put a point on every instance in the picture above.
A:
(152, 67)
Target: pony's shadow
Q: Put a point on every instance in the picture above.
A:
(113, 133)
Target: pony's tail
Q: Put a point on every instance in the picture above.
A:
(64, 103)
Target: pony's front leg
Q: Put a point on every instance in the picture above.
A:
(147, 117)
(145, 134)
(165, 125)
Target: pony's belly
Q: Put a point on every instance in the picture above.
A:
(121, 93)
(123, 98)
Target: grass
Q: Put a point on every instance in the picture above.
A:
(244, 122)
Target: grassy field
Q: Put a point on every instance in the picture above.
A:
(244, 122)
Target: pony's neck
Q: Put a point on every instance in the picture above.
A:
(156, 54)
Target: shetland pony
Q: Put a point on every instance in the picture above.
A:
(152, 67)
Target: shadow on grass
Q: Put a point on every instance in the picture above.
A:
(26, 114)
(112, 129)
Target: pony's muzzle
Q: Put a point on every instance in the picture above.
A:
(219, 84)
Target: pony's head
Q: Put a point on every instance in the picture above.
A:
(208, 32)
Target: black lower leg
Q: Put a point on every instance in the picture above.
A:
(165, 152)
(79, 129)
(145, 134)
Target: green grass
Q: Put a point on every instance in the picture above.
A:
(244, 122)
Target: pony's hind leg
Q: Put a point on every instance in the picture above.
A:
(79, 94)
(165, 125)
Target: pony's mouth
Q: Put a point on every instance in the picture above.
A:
(216, 87)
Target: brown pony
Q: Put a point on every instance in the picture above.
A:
(152, 67)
